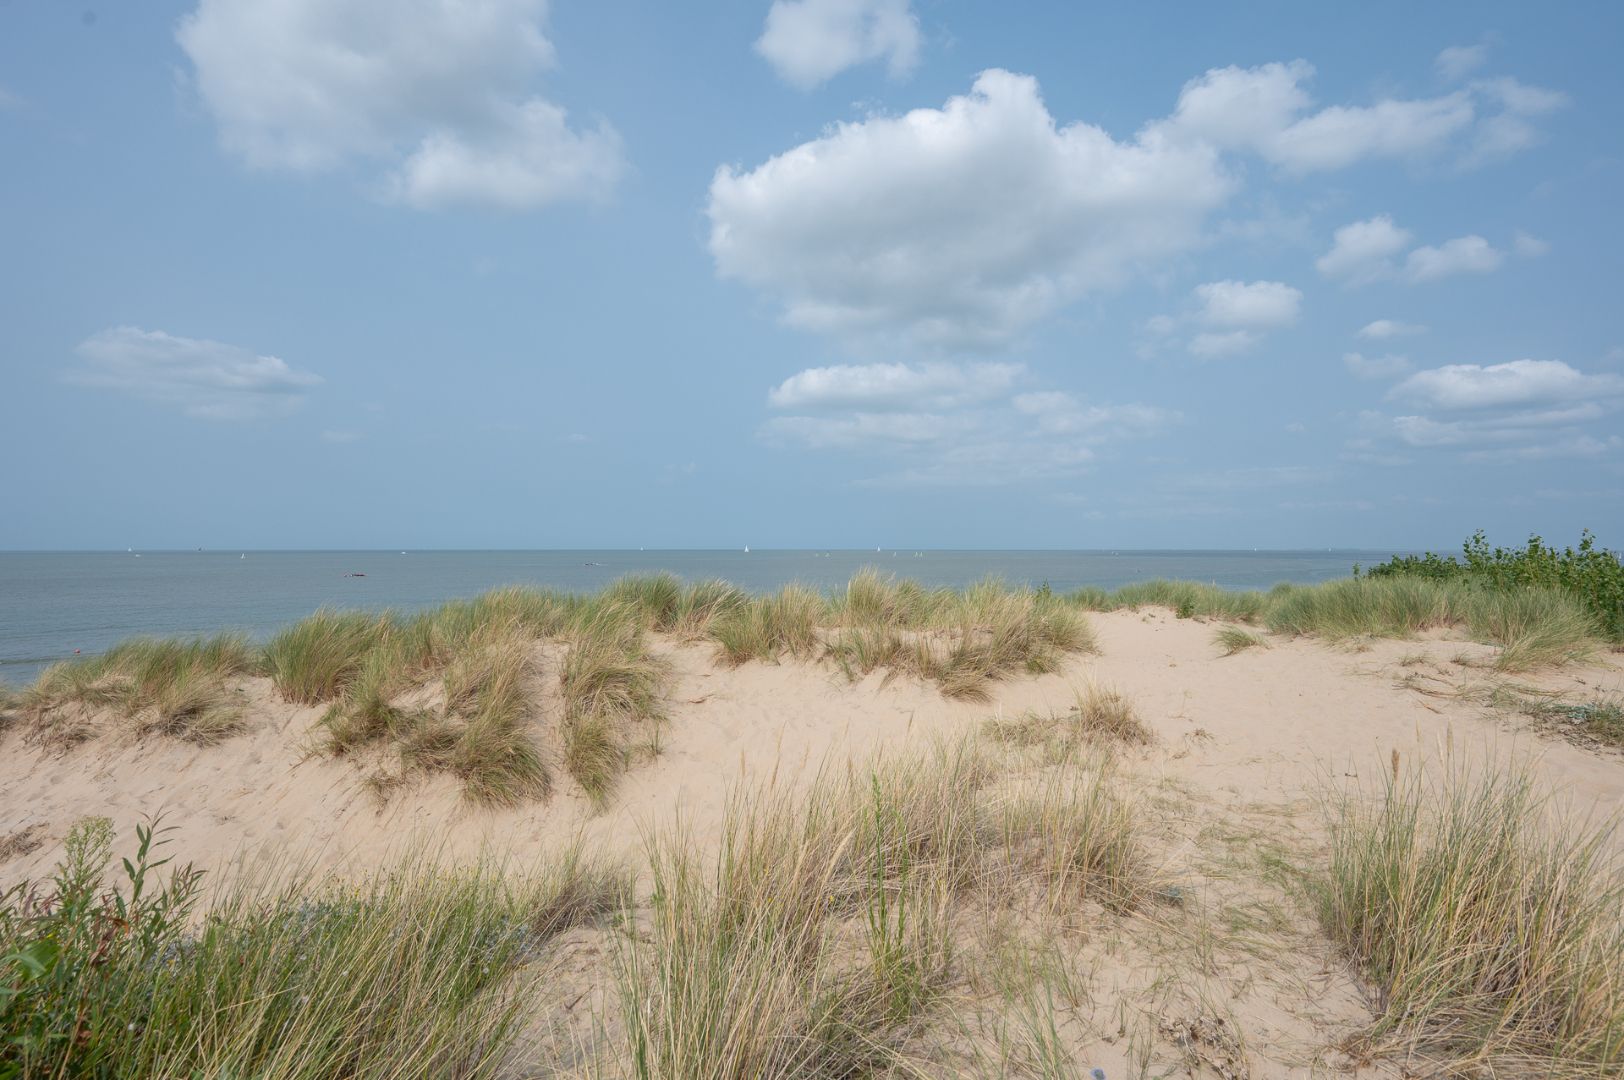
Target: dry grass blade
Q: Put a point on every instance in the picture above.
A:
(1234, 639)
(1491, 926)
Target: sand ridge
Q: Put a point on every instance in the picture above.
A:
(1264, 725)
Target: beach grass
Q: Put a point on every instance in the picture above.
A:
(1489, 922)
(172, 687)
(822, 930)
(1234, 639)
(1600, 718)
(317, 658)
(375, 671)
(1187, 599)
(611, 685)
(1535, 627)
(414, 971)
(770, 627)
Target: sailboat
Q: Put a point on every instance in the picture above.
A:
(747, 549)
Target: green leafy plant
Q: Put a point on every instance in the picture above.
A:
(1593, 575)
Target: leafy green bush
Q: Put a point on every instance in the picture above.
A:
(65, 950)
(1593, 575)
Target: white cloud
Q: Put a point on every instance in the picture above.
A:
(1520, 411)
(1212, 344)
(1238, 313)
(1261, 109)
(1382, 329)
(202, 378)
(1528, 246)
(1511, 130)
(1059, 413)
(1256, 304)
(810, 41)
(340, 436)
(957, 226)
(1366, 251)
(1363, 251)
(1376, 367)
(529, 159)
(1463, 255)
(1266, 110)
(951, 424)
(1518, 383)
(866, 428)
(1459, 61)
(1578, 446)
(437, 96)
(882, 386)
(962, 226)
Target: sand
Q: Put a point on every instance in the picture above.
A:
(1245, 746)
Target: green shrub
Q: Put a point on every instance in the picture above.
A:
(1595, 576)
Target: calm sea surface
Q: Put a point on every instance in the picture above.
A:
(52, 603)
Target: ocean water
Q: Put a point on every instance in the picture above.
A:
(54, 603)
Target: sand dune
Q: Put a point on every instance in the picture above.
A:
(1242, 747)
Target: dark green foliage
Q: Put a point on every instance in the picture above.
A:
(67, 951)
(1595, 576)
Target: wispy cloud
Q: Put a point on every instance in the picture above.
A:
(944, 424)
(206, 379)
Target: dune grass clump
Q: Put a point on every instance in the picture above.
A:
(770, 627)
(317, 658)
(1234, 639)
(1100, 716)
(1534, 627)
(701, 604)
(1491, 927)
(740, 977)
(1187, 599)
(492, 752)
(1355, 607)
(479, 733)
(415, 971)
(1103, 712)
(1072, 829)
(823, 933)
(181, 688)
(611, 684)
(997, 633)
(652, 599)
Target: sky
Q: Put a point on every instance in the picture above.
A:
(809, 274)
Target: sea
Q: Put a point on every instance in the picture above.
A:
(56, 605)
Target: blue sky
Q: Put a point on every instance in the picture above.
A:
(814, 273)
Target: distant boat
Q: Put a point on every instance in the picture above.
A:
(242, 556)
(747, 549)
(876, 549)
